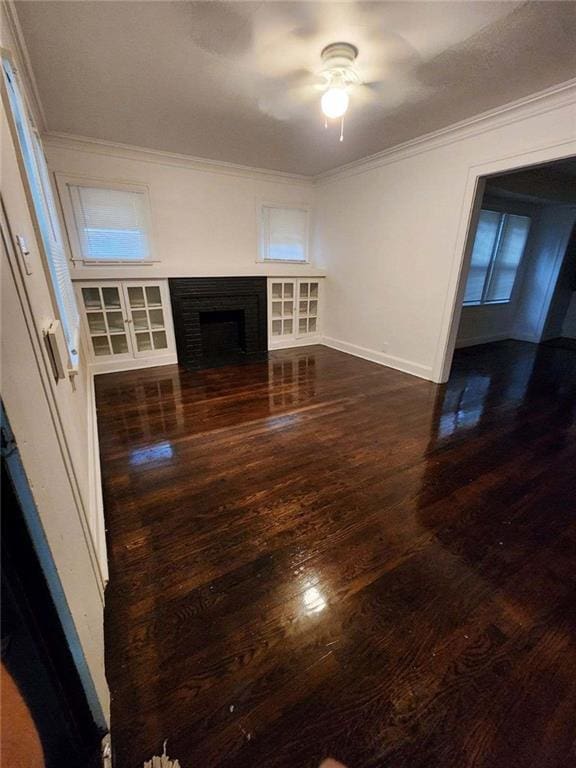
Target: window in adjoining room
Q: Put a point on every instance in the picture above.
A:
(283, 234)
(107, 224)
(496, 256)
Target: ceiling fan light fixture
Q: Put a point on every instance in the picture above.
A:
(335, 102)
(339, 75)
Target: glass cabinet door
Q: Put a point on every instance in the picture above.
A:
(308, 301)
(281, 309)
(105, 321)
(147, 318)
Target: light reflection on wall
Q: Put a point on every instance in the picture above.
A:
(152, 454)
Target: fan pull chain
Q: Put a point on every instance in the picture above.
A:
(325, 123)
(342, 130)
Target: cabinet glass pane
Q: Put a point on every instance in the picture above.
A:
(156, 318)
(287, 328)
(91, 297)
(312, 325)
(304, 290)
(153, 296)
(276, 327)
(314, 290)
(111, 298)
(136, 296)
(96, 322)
(159, 338)
(276, 309)
(288, 307)
(276, 290)
(303, 307)
(115, 321)
(289, 290)
(143, 342)
(100, 345)
(119, 344)
(302, 325)
(140, 319)
(313, 308)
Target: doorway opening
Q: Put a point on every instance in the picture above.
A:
(519, 285)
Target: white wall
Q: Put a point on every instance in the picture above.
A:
(540, 278)
(561, 320)
(391, 231)
(51, 425)
(204, 217)
(489, 322)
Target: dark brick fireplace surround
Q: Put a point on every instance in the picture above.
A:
(219, 320)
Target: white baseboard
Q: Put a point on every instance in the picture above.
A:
(473, 341)
(115, 366)
(530, 337)
(97, 525)
(290, 343)
(398, 363)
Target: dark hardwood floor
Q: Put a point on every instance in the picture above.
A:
(319, 556)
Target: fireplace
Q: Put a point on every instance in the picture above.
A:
(219, 320)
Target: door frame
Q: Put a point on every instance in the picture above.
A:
(471, 203)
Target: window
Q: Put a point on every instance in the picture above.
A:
(284, 234)
(496, 255)
(45, 212)
(106, 224)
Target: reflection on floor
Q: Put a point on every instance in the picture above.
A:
(316, 555)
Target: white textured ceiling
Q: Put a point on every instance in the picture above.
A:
(234, 81)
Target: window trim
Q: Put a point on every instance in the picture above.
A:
(263, 234)
(59, 302)
(484, 302)
(63, 183)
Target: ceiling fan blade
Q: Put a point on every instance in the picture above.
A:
(388, 94)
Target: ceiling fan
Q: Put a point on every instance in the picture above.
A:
(339, 76)
(294, 77)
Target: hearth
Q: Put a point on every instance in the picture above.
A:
(219, 320)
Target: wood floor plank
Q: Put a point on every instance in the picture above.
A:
(316, 555)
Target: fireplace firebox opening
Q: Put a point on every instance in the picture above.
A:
(222, 333)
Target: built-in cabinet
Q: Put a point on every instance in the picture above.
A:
(127, 323)
(294, 311)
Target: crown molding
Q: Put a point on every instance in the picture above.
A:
(557, 96)
(23, 65)
(537, 103)
(132, 152)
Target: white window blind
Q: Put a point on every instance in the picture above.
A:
(110, 224)
(46, 215)
(284, 234)
(499, 245)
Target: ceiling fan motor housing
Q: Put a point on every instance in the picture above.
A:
(338, 60)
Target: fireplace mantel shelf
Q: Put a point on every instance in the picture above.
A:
(157, 271)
